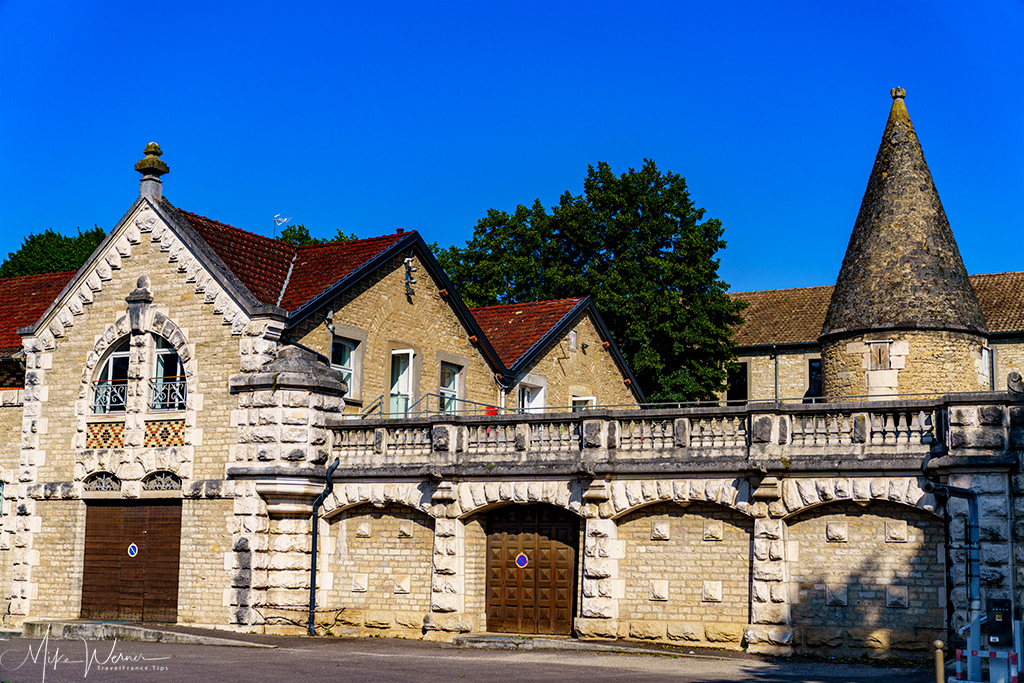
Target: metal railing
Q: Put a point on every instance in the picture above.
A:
(109, 396)
(167, 393)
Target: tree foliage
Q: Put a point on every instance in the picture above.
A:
(298, 236)
(641, 249)
(52, 252)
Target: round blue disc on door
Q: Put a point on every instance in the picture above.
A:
(522, 560)
(133, 550)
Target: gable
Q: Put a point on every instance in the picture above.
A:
(514, 329)
(185, 252)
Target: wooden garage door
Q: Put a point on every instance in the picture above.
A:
(537, 597)
(129, 583)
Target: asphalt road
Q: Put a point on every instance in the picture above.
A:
(386, 660)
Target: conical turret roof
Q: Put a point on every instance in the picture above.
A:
(902, 268)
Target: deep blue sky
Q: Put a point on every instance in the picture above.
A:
(370, 116)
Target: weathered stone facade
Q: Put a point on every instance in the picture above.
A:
(918, 363)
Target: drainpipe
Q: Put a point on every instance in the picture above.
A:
(775, 350)
(973, 568)
(328, 487)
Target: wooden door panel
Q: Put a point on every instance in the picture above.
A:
(116, 585)
(539, 597)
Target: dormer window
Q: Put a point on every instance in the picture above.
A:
(110, 390)
(167, 386)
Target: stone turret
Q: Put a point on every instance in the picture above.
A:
(903, 318)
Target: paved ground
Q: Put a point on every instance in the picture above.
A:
(385, 660)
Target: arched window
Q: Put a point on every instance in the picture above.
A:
(103, 481)
(167, 386)
(162, 481)
(110, 390)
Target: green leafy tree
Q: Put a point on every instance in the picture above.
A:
(641, 249)
(298, 236)
(52, 252)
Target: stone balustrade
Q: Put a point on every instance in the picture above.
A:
(759, 436)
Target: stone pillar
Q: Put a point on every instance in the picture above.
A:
(448, 571)
(602, 587)
(769, 630)
(281, 456)
(993, 489)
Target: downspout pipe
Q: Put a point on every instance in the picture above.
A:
(775, 351)
(973, 562)
(328, 487)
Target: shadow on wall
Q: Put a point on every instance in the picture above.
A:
(867, 578)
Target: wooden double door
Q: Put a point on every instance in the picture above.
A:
(131, 561)
(531, 569)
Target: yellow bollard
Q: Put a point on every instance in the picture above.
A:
(940, 662)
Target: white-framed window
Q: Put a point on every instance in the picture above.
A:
(167, 386)
(530, 398)
(448, 388)
(986, 366)
(581, 403)
(110, 390)
(343, 355)
(401, 382)
(573, 340)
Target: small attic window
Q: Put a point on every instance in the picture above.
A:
(572, 340)
(878, 358)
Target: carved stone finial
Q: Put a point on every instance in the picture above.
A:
(140, 305)
(151, 169)
(898, 93)
(1015, 384)
(151, 164)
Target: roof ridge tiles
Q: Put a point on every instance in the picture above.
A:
(528, 303)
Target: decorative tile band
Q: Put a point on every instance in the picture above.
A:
(165, 433)
(105, 435)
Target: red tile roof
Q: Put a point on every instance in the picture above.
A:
(513, 328)
(280, 274)
(261, 263)
(22, 301)
(787, 316)
(319, 266)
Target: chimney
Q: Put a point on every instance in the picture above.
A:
(151, 169)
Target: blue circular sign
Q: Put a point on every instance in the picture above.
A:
(133, 550)
(522, 560)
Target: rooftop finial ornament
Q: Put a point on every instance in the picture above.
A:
(151, 168)
(898, 93)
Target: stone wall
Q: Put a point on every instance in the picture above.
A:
(203, 578)
(56, 558)
(1009, 358)
(922, 362)
(579, 372)
(793, 375)
(867, 577)
(380, 561)
(475, 534)
(687, 573)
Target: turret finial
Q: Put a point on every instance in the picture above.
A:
(898, 93)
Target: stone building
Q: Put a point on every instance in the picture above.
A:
(181, 387)
(177, 394)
